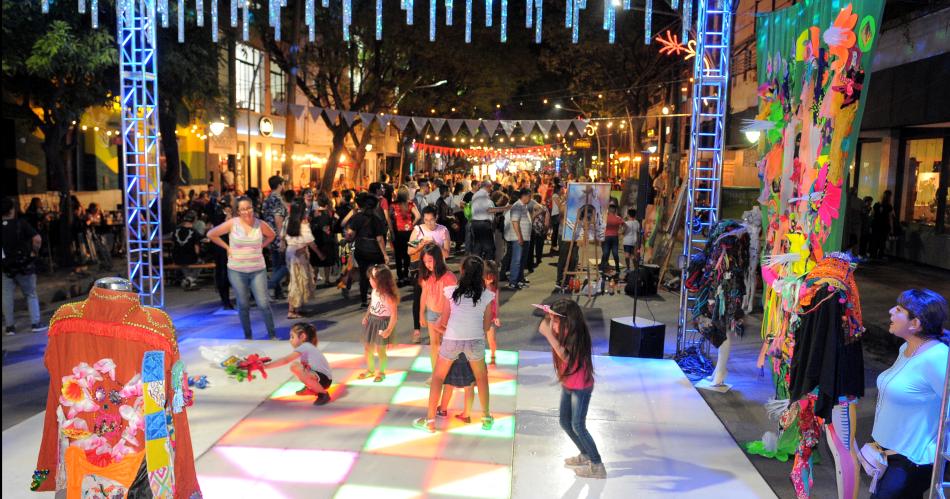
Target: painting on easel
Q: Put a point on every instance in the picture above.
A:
(587, 197)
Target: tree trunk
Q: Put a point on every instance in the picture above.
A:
(339, 142)
(172, 176)
(54, 148)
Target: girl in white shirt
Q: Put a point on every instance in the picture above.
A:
(907, 415)
(379, 321)
(466, 316)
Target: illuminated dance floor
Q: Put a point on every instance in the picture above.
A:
(657, 436)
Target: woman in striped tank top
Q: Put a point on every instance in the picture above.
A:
(247, 236)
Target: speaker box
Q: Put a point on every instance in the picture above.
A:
(647, 280)
(644, 340)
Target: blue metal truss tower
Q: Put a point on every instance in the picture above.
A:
(707, 139)
(140, 147)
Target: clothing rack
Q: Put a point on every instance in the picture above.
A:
(938, 483)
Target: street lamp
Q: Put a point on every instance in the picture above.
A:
(217, 128)
(651, 148)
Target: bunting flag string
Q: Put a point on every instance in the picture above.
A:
(485, 153)
(436, 124)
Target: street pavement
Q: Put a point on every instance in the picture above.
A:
(197, 315)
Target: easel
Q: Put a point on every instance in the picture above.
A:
(585, 247)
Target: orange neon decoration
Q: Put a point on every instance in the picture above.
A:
(672, 46)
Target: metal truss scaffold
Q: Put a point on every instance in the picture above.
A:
(707, 134)
(140, 154)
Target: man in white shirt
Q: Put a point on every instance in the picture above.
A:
(483, 211)
(518, 236)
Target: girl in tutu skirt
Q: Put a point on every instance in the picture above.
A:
(379, 321)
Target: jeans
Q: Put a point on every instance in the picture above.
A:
(516, 250)
(611, 245)
(246, 283)
(573, 419)
(279, 270)
(483, 239)
(401, 252)
(27, 284)
(902, 479)
(473, 349)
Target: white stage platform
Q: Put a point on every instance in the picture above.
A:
(657, 436)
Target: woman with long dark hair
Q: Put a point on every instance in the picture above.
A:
(367, 230)
(465, 317)
(907, 417)
(299, 239)
(321, 225)
(566, 331)
(434, 277)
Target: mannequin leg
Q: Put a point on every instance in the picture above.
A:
(840, 434)
(722, 360)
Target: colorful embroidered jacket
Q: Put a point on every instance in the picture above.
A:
(108, 423)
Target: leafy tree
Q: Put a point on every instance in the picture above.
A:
(188, 88)
(54, 67)
(375, 76)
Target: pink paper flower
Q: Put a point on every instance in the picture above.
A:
(106, 366)
(86, 375)
(831, 201)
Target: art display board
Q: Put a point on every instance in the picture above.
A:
(587, 196)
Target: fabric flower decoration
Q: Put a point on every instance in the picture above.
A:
(120, 450)
(86, 375)
(106, 366)
(840, 37)
(831, 202)
(134, 416)
(76, 397)
(133, 388)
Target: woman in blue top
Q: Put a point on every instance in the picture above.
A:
(909, 394)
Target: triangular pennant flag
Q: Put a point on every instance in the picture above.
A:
(473, 126)
(527, 126)
(454, 126)
(279, 108)
(545, 126)
(437, 124)
(580, 125)
(315, 113)
(349, 117)
(491, 126)
(563, 126)
(297, 109)
(383, 121)
(367, 119)
(401, 122)
(332, 115)
(508, 126)
(419, 123)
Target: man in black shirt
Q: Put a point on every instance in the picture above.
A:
(20, 244)
(186, 250)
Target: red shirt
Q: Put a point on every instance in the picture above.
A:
(613, 225)
(403, 218)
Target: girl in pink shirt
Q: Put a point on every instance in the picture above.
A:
(491, 284)
(567, 333)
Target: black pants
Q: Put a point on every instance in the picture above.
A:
(221, 277)
(562, 264)
(527, 263)
(903, 479)
(416, 300)
(401, 251)
(483, 239)
(537, 244)
(365, 261)
(555, 231)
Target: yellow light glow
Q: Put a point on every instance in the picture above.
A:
(84, 128)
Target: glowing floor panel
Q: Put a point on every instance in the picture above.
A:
(363, 444)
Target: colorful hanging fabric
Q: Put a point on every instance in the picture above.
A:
(158, 449)
(835, 272)
(717, 279)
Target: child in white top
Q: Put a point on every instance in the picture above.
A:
(307, 363)
(379, 321)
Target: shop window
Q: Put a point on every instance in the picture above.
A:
(278, 83)
(923, 168)
(872, 175)
(249, 87)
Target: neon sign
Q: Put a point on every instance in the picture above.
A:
(672, 46)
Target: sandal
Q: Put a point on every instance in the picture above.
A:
(464, 419)
(366, 374)
(488, 422)
(379, 378)
(294, 315)
(424, 424)
(439, 413)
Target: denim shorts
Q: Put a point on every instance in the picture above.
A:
(473, 349)
(432, 317)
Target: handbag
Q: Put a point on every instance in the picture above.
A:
(874, 461)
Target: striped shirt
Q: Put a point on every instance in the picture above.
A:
(246, 248)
